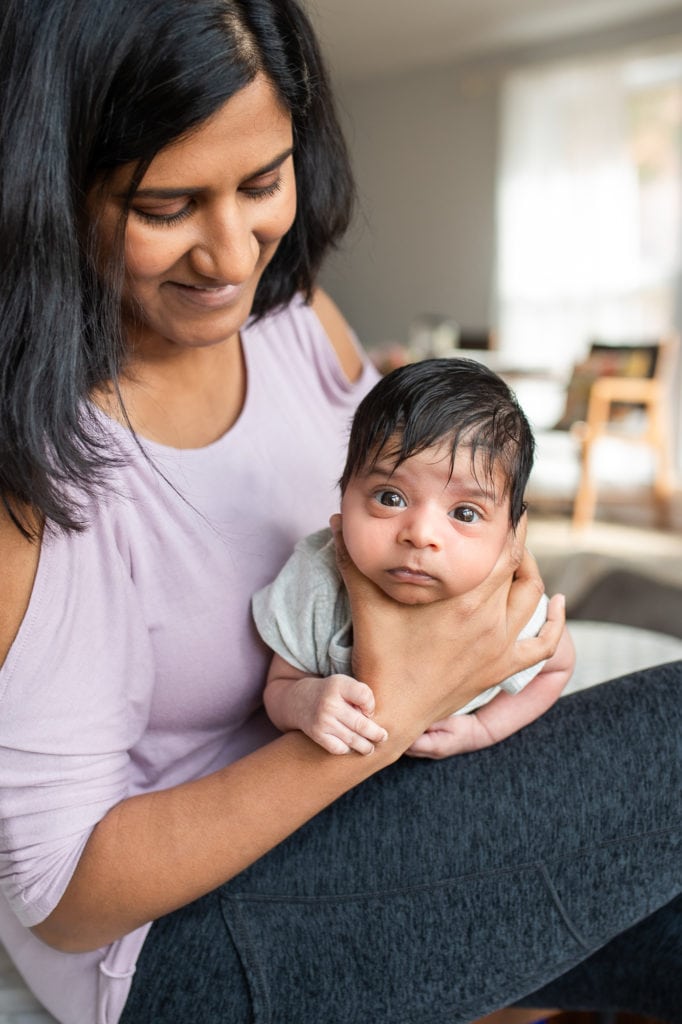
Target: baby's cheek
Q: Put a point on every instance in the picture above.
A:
(366, 554)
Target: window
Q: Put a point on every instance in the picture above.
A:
(589, 205)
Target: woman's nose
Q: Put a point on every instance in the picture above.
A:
(421, 529)
(227, 249)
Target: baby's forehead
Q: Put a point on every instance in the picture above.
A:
(392, 460)
(461, 451)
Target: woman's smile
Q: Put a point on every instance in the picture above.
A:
(204, 223)
(216, 296)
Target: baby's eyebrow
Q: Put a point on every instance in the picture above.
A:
(384, 470)
(474, 491)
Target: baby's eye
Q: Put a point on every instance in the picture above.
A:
(465, 514)
(391, 499)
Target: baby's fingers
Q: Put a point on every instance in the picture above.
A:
(357, 693)
(343, 740)
(357, 731)
(429, 744)
(331, 743)
(362, 730)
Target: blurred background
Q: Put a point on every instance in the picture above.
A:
(519, 165)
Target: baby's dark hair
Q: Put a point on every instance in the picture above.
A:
(459, 400)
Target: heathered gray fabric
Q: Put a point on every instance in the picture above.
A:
(440, 890)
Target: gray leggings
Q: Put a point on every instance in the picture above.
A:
(438, 891)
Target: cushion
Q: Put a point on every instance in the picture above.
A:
(632, 599)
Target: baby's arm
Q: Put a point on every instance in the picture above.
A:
(504, 714)
(335, 711)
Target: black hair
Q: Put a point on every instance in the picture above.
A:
(456, 400)
(86, 86)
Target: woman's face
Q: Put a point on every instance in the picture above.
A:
(204, 223)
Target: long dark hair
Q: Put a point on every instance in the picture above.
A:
(85, 86)
(456, 400)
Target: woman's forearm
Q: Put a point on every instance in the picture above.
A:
(156, 852)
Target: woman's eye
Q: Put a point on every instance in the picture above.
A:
(391, 499)
(164, 216)
(465, 514)
(261, 190)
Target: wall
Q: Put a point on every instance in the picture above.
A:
(424, 148)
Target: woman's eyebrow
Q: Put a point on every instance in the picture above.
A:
(178, 193)
(162, 193)
(274, 164)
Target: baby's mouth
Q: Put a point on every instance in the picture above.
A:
(407, 574)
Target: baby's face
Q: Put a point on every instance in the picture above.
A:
(421, 532)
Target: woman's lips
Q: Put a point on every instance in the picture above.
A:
(207, 296)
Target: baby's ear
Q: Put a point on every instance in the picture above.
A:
(335, 523)
(343, 561)
(342, 557)
(518, 539)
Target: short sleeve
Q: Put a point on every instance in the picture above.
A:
(294, 615)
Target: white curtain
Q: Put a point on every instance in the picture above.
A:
(589, 206)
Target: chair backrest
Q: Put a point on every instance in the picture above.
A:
(634, 359)
(648, 359)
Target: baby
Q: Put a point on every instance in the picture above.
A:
(438, 460)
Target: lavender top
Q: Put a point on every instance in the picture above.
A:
(137, 665)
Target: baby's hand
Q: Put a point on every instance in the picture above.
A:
(458, 734)
(334, 712)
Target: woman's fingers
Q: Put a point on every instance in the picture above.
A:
(541, 647)
(525, 591)
(425, 662)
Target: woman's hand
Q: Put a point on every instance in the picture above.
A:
(424, 662)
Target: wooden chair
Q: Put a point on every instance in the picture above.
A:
(627, 378)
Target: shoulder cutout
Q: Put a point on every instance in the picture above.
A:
(19, 560)
(339, 334)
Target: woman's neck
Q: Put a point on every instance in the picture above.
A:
(186, 400)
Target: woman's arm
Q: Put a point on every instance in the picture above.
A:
(155, 852)
(19, 560)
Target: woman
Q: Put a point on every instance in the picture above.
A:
(173, 391)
